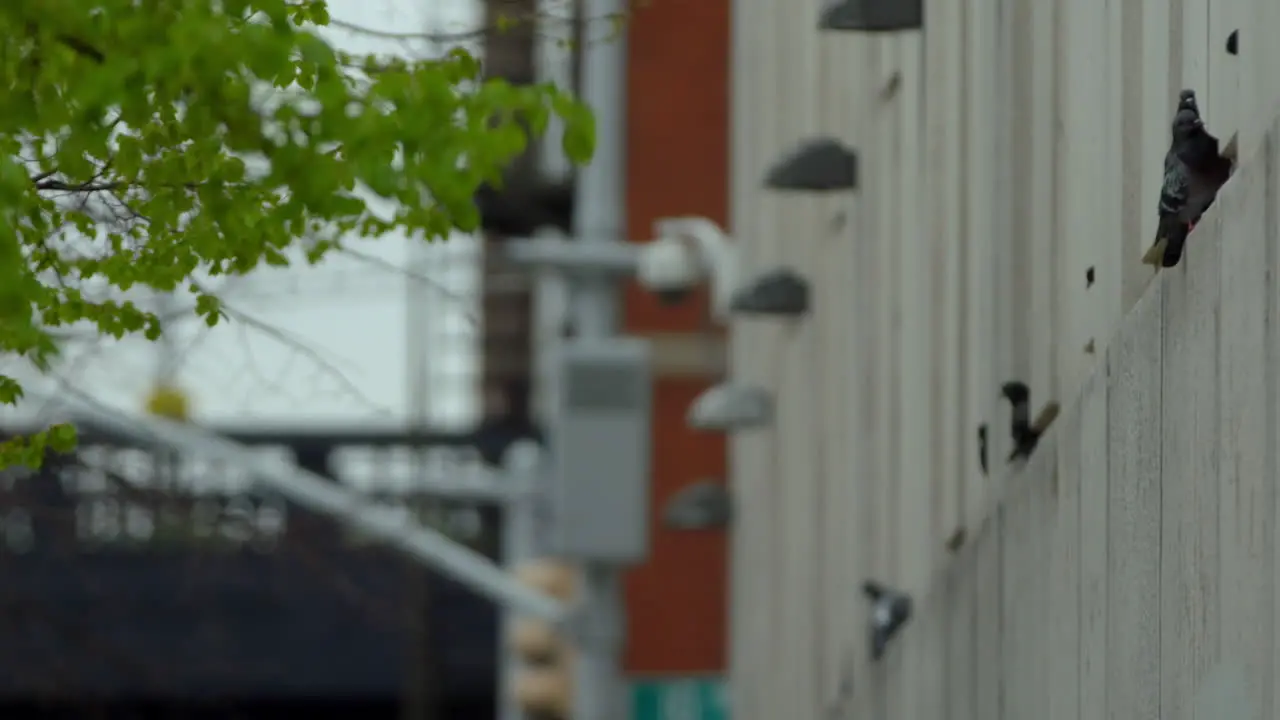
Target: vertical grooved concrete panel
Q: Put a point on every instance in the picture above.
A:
(1044, 495)
(793, 383)
(989, 618)
(1028, 600)
(916, 534)
(945, 242)
(981, 327)
(1128, 91)
(996, 26)
(1130, 563)
(1255, 113)
(867, 473)
(1106, 306)
(1223, 114)
(1193, 50)
(1155, 84)
(1086, 197)
(1189, 561)
(1064, 596)
(1043, 259)
(960, 613)
(889, 240)
(1083, 467)
(1017, 617)
(1246, 483)
(1017, 154)
(910, 548)
(1133, 511)
(921, 685)
(837, 406)
(1271, 389)
(756, 537)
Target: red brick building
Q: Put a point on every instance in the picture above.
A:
(676, 164)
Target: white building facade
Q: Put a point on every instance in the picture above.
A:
(1010, 162)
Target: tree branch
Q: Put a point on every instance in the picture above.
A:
(83, 48)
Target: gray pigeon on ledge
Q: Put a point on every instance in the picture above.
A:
(1194, 171)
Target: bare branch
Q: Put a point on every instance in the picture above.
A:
(523, 21)
(403, 36)
(297, 345)
(83, 48)
(445, 292)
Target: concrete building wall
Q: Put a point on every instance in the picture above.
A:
(1006, 151)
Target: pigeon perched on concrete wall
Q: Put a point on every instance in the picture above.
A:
(1024, 431)
(1194, 170)
(982, 447)
(890, 610)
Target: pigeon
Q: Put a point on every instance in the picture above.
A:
(982, 447)
(890, 610)
(1194, 170)
(1024, 437)
(1026, 432)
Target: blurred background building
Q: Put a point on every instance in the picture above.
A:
(144, 585)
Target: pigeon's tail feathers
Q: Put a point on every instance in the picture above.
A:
(1177, 240)
(879, 642)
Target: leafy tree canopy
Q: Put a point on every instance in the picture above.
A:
(150, 143)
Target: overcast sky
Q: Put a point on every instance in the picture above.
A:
(342, 353)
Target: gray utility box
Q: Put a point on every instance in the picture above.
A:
(600, 425)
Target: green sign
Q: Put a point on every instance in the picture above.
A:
(680, 699)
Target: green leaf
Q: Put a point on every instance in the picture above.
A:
(166, 111)
(62, 437)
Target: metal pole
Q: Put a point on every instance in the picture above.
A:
(599, 211)
(519, 530)
(600, 218)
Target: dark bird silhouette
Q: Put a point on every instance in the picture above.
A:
(522, 207)
(1025, 432)
(1194, 171)
(982, 447)
(890, 610)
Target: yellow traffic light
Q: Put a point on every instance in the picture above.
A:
(543, 685)
(168, 402)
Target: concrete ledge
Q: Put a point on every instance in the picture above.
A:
(1150, 504)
